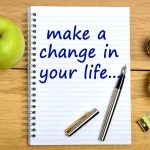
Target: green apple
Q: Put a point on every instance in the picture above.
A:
(12, 43)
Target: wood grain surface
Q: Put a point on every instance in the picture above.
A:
(13, 82)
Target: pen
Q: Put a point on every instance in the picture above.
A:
(112, 104)
(81, 121)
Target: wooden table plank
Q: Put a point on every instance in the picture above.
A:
(140, 25)
(13, 113)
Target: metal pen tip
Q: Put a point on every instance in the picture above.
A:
(124, 70)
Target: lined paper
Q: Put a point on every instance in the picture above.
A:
(59, 102)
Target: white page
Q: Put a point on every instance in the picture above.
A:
(59, 102)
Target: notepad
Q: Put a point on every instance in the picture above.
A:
(75, 57)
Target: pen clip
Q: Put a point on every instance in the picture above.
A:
(77, 122)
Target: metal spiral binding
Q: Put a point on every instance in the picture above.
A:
(33, 76)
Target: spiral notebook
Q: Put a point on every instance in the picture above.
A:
(75, 58)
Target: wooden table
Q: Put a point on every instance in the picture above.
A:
(13, 82)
